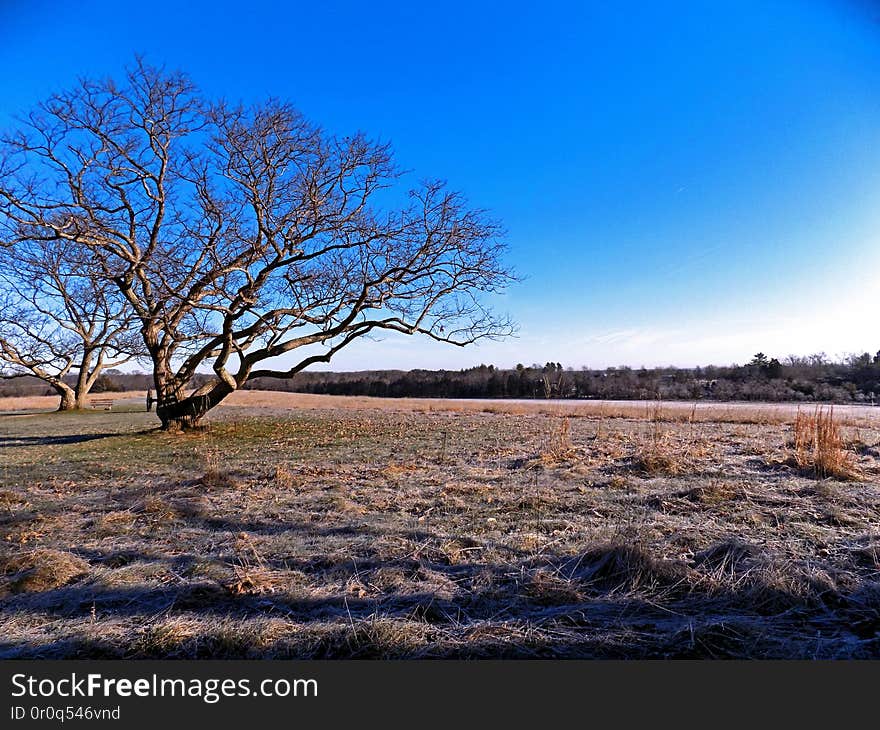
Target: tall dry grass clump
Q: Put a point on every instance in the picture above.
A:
(251, 574)
(216, 475)
(819, 446)
(40, 570)
(656, 455)
(559, 446)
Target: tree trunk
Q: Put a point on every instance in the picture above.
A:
(186, 414)
(68, 398)
(81, 390)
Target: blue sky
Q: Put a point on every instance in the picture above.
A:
(682, 183)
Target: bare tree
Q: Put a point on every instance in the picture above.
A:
(57, 319)
(239, 236)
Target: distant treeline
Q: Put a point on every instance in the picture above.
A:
(813, 378)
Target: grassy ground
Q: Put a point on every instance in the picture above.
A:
(355, 528)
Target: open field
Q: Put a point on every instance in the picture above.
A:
(279, 403)
(313, 526)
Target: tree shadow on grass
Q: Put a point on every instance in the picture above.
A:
(60, 440)
(611, 601)
(53, 440)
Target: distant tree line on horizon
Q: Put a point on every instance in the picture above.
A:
(816, 378)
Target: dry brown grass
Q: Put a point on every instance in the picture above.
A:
(819, 446)
(669, 412)
(283, 477)
(656, 455)
(219, 478)
(559, 444)
(40, 570)
(250, 573)
(713, 492)
(270, 402)
(342, 534)
(115, 523)
(217, 474)
(156, 508)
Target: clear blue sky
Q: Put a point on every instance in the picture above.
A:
(682, 183)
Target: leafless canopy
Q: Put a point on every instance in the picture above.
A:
(240, 234)
(57, 319)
